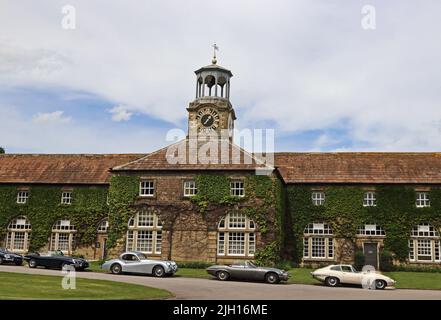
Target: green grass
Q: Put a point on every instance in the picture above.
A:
(301, 276)
(95, 266)
(193, 273)
(28, 287)
(416, 280)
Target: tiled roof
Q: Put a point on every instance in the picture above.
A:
(60, 169)
(350, 167)
(359, 167)
(234, 158)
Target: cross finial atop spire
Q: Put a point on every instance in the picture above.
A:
(215, 48)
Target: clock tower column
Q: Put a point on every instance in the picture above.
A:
(211, 111)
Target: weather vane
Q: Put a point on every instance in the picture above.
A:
(215, 48)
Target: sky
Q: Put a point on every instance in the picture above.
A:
(123, 78)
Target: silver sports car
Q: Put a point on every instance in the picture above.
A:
(248, 271)
(137, 262)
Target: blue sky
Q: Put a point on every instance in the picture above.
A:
(307, 69)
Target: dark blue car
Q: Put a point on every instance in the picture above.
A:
(9, 257)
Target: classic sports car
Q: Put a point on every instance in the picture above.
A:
(137, 262)
(10, 257)
(248, 271)
(56, 260)
(334, 275)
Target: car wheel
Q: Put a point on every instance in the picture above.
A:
(32, 263)
(272, 278)
(1, 260)
(222, 275)
(332, 281)
(116, 268)
(380, 284)
(158, 272)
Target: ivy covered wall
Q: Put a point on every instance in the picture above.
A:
(44, 208)
(395, 212)
(263, 202)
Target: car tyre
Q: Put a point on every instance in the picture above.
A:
(1, 260)
(272, 278)
(32, 263)
(116, 268)
(222, 275)
(158, 272)
(380, 284)
(332, 281)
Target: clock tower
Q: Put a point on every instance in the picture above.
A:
(211, 111)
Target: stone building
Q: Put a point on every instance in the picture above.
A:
(201, 200)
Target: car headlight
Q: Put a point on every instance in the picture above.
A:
(168, 264)
(7, 256)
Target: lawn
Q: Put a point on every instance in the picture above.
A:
(416, 280)
(28, 287)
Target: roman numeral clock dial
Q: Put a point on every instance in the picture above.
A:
(208, 119)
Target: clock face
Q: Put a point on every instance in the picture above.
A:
(208, 119)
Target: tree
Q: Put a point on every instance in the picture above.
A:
(2, 150)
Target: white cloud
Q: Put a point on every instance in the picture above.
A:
(55, 117)
(302, 65)
(120, 113)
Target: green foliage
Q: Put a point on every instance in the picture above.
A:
(44, 208)
(263, 196)
(2, 150)
(416, 268)
(123, 191)
(359, 260)
(343, 210)
(193, 265)
(386, 261)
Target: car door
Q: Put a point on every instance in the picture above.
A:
(239, 271)
(349, 276)
(131, 263)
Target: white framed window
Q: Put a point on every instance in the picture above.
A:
(237, 188)
(66, 197)
(371, 230)
(103, 226)
(145, 232)
(22, 196)
(318, 198)
(422, 200)
(236, 236)
(370, 199)
(318, 242)
(147, 188)
(63, 236)
(424, 244)
(190, 188)
(18, 234)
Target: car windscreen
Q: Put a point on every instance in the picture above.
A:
(142, 256)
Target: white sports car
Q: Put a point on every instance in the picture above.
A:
(137, 262)
(334, 275)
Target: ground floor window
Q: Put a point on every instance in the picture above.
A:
(145, 233)
(18, 234)
(424, 245)
(318, 242)
(63, 236)
(236, 236)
